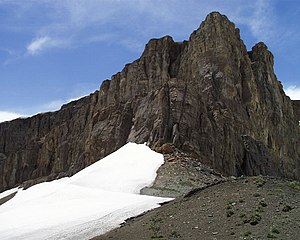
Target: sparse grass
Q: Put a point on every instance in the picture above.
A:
(259, 209)
(156, 220)
(256, 194)
(295, 185)
(229, 213)
(259, 181)
(280, 190)
(175, 234)
(263, 203)
(275, 230)
(255, 219)
(236, 211)
(185, 183)
(287, 208)
(270, 235)
(155, 228)
(157, 237)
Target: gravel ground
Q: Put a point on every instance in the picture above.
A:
(180, 174)
(244, 208)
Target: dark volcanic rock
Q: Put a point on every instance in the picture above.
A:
(296, 107)
(207, 96)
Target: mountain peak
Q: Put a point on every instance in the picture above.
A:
(207, 97)
(216, 18)
(260, 52)
(216, 29)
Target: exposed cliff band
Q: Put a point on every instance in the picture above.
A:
(208, 96)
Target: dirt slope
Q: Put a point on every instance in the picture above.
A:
(244, 208)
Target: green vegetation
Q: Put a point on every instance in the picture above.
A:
(229, 213)
(275, 230)
(263, 203)
(286, 208)
(295, 185)
(259, 181)
(155, 228)
(256, 194)
(175, 234)
(248, 233)
(270, 235)
(255, 219)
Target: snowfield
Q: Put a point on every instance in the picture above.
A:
(92, 202)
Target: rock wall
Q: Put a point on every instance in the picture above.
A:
(208, 96)
(296, 107)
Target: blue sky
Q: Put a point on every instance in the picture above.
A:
(52, 51)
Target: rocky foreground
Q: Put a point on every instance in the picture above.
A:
(243, 208)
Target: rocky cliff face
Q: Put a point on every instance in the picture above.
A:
(296, 107)
(208, 96)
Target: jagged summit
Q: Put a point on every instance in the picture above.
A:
(218, 23)
(260, 52)
(208, 97)
(216, 18)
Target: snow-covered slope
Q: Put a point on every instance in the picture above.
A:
(91, 202)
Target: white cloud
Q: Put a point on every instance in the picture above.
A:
(82, 22)
(11, 55)
(56, 104)
(37, 45)
(143, 19)
(51, 106)
(293, 92)
(257, 15)
(40, 44)
(261, 23)
(7, 116)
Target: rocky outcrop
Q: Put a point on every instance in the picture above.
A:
(296, 107)
(208, 96)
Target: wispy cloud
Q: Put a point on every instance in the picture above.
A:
(293, 92)
(10, 56)
(262, 20)
(54, 105)
(258, 16)
(57, 104)
(42, 43)
(37, 45)
(132, 23)
(7, 116)
(46, 107)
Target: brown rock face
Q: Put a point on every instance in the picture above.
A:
(296, 107)
(208, 96)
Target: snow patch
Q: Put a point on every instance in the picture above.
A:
(92, 202)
